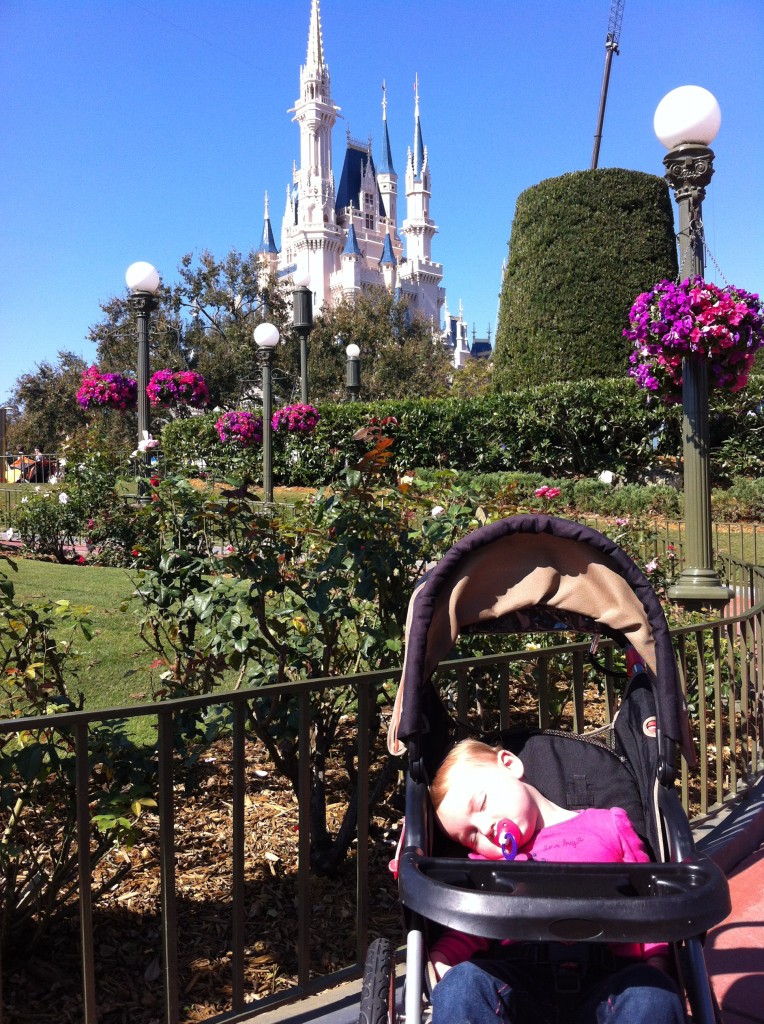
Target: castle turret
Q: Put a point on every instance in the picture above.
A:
(387, 179)
(267, 251)
(389, 266)
(419, 275)
(352, 258)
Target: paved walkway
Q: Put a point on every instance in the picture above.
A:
(735, 948)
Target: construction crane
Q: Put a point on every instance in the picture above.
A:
(611, 47)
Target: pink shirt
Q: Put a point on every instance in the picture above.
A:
(595, 837)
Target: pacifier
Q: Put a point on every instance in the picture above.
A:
(508, 837)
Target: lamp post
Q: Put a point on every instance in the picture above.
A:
(302, 313)
(686, 121)
(266, 339)
(353, 378)
(143, 282)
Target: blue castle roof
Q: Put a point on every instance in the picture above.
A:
(388, 256)
(356, 159)
(386, 164)
(351, 245)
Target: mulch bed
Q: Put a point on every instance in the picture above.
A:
(43, 985)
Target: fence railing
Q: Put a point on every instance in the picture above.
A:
(721, 671)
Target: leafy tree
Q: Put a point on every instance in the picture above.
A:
(474, 379)
(399, 358)
(220, 302)
(205, 322)
(42, 407)
(583, 246)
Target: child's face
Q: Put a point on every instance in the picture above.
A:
(479, 796)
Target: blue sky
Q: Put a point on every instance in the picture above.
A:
(144, 129)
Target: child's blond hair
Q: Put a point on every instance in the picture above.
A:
(467, 753)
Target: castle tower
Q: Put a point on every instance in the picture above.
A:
(314, 243)
(420, 276)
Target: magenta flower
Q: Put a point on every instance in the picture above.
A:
(297, 419)
(106, 390)
(168, 388)
(240, 427)
(549, 493)
(724, 326)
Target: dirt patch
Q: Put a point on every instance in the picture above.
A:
(44, 985)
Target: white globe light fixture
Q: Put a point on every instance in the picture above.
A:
(686, 115)
(352, 351)
(142, 277)
(266, 336)
(301, 280)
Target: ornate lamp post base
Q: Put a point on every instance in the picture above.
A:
(699, 588)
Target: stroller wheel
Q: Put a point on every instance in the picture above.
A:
(378, 992)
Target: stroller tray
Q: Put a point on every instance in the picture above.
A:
(567, 902)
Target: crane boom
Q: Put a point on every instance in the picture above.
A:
(611, 47)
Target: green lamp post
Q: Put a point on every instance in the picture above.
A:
(266, 339)
(143, 282)
(686, 121)
(353, 375)
(302, 318)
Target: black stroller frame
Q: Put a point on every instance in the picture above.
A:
(534, 573)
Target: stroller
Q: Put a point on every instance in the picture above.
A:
(532, 573)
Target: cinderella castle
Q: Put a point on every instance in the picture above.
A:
(344, 238)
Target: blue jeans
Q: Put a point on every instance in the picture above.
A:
(500, 992)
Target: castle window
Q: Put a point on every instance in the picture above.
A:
(370, 221)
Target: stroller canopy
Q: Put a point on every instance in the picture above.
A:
(528, 573)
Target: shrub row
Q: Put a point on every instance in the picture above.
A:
(568, 430)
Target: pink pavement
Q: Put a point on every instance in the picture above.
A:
(734, 949)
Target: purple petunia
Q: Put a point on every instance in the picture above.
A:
(673, 321)
(297, 419)
(106, 390)
(240, 427)
(184, 387)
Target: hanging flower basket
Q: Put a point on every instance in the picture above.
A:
(107, 390)
(724, 326)
(297, 419)
(168, 388)
(240, 428)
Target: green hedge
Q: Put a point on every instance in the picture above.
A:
(583, 246)
(563, 430)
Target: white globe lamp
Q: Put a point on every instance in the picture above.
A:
(689, 114)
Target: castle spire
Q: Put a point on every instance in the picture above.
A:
(418, 141)
(386, 163)
(268, 242)
(315, 57)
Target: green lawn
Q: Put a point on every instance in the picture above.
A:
(115, 664)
